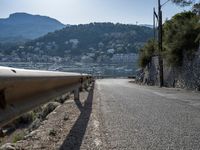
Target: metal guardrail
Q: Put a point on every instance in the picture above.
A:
(23, 90)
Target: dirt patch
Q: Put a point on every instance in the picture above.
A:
(72, 125)
(22, 126)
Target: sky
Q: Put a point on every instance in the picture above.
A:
(86, 11)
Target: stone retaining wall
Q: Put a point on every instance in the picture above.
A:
(187, 76)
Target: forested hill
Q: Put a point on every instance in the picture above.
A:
(91, 38)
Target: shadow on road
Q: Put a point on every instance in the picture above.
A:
(74, 139)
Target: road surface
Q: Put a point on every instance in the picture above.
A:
(140, 117)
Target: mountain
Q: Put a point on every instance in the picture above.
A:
(97, 48)
(98, 38)
(147, 25)
(22, 26)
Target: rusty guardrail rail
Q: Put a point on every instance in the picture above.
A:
(22, 90)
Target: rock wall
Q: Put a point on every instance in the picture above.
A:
(187, 76)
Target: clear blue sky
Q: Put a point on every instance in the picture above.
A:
(86, 11)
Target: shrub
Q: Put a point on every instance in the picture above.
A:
(26, 118)
(148, 50)
(48, 108)
(18, 137)
(181, 37)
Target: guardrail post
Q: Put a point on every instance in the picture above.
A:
(76, 94)
(1, 133)
(2, 99)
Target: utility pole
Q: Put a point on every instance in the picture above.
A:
(154, 24)
(160, 59)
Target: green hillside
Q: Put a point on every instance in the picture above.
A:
(94, 37)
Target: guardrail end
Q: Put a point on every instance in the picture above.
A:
(2, 99)
(1, 133)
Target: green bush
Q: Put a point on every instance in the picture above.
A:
(181, 37)
(18, 137)
(26, 118)
(148, 50)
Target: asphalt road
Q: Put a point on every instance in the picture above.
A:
(140, 117)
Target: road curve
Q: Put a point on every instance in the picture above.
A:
(139, 117)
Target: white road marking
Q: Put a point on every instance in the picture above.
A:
(97, 141)
(170, 96)
(96, 124)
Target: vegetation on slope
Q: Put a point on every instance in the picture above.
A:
(181, 38)
(146, 52)
(91, 38)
